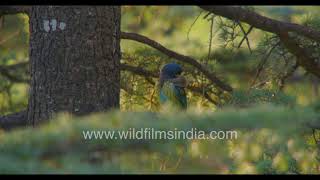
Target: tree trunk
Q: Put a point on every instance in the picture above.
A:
(74, 59)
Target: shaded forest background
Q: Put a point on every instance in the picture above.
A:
(243, 68)
(271, 97)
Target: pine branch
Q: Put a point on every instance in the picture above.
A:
(185, 59)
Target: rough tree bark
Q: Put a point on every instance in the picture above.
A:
(74, 60)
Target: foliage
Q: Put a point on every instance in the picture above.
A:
(237, 66)
(260, 96)
(269, 107)
(13, 50)
(275, 134)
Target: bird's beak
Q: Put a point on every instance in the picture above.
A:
(180, 80)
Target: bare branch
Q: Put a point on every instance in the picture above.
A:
(261, 22)
(304, 59)
(16, 66)
(6, 72)
(277, 27)
(13, 120)
(138, 70)
(186, 59)
(204, 93)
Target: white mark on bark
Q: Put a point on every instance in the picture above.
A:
(62, 25)
(46, 25)
(53, 24)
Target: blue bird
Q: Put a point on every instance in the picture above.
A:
(172, 86)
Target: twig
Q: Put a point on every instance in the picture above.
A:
(205, 16)
(210, 39)
(245, 37)
(262, 63)
(193, 24)
(209, 53)
(9, 37)
(314, 136)
(1, 22)
(287, 75)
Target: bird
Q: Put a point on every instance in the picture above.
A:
(172, 86)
